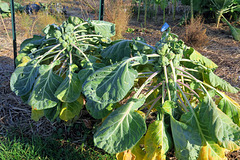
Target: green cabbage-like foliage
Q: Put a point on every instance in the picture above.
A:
(181, 85)
(4, 7)
(124, 82)
(49, 68)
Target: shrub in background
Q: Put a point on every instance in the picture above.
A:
(119, 13)
(33, 24)
(195, 34)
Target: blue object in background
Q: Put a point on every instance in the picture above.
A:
(32, 8)
(164, 27)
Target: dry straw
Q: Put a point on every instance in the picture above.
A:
(119, 13)
(195, 34)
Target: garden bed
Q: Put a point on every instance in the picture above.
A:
(222, 49)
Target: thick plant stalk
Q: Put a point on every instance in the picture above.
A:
(183, 84)
(152, 90)
(139, 8)
(174, 79)
(166, 77)
(174, 8)
(191, 4)
(164, 15)
(145, 83)
(82, 53)
(145, 13)
(191, 109)
(218, 16)
(156, 11)
(156, 100)
(182, 103)
(163, 92)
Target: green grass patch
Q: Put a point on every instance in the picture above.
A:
(36, 148)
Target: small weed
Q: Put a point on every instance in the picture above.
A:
(130, 30)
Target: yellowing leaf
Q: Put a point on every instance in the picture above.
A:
(206, 135)
(204, 60)
(138, 151)
(141, 113)
(36, 114)
(24, 61)
(70, 110)
(81, 100)
(156, 141)
(125, 155)
(212, 152)
(217, 126)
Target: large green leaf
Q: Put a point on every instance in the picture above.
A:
(42, 96)
(190, 143)
(118, 51)
(70, 88)
(234, 30)
(157, 141)
(89, 66)
(75, 20)
(23, 78)
(31, 43)
(217, 126)
(187, 139)
(98, 110)
(4, 7)
(219, 83)
(103, 28)
(110, 84)
(206, 134)
(122, 129)
(84, 73)
(50, 31)
(230, 108)
(194, 55)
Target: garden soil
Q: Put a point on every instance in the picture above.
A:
(14, 114)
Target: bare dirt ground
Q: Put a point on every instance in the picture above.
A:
(16, 116)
